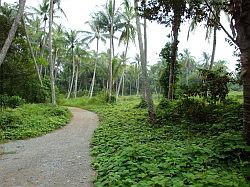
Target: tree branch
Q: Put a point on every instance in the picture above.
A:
(218, 21)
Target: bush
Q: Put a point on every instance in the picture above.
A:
(10, 119)
(142, 104)
(204, 117)
(11, 101)
(102, 98)
(56, 111)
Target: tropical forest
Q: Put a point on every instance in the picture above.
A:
(125, 93)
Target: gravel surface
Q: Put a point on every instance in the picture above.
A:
(60, 158)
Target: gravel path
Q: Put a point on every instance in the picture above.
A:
(60, 158)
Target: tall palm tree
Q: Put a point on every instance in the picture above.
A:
(51, 63)
(43, 12)
(12, 31)
(148, 95)
(94, 34)
(212, 26)
(72, 40)
(188, 64)
(206, 58)
(109, 21)
(128, 33)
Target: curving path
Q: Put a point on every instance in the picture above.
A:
(60, 158)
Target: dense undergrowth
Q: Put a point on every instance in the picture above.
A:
(31, 120)
(128, 151)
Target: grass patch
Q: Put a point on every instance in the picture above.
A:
(31, 120)
(127, 151)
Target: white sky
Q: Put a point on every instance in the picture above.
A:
(78, 12)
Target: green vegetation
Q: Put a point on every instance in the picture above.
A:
(128, 151)
(31, 120)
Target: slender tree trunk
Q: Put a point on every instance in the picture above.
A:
(214, 48)
(123, 71)
(55, 62)
(73, 73)
(111, 51)
(175, 29)
(138, 85)
(242, 20)
(187, 71)
(145, 40)
(12, 31)
(32, 52)
(93, 79)
(148, 95)
(44, 40)
(51, 63)
(76, 79)
(123, 84)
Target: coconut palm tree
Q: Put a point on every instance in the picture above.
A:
(94, 34)
(43, 12)
(206, 58)
(212, 26)
(51, 63)
(128, 33)
(109, 20)
(188, 61)
(12, 31)
(72, 39)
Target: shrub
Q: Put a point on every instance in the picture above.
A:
(11, 101)
(10, 119)
(102, 98)
(204, 117)
(213, 85)
(142, 104)
(56, 111)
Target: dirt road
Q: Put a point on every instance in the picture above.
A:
(60, 158)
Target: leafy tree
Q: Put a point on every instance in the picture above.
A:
(170, 12)
(17, 75)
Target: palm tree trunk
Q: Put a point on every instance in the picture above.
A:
(242, 26)
(123, 84)
(12, 31)
(175, 28)
(145, 40)
(76, 79)
(187, 71)
(32, 52)
(51, 63)
(93, 78)
(123, 71)
(214, 48)
(73, 73)
(44, 40)
(138, 85)
(111, 51)
(55, 62)
(148, 95)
